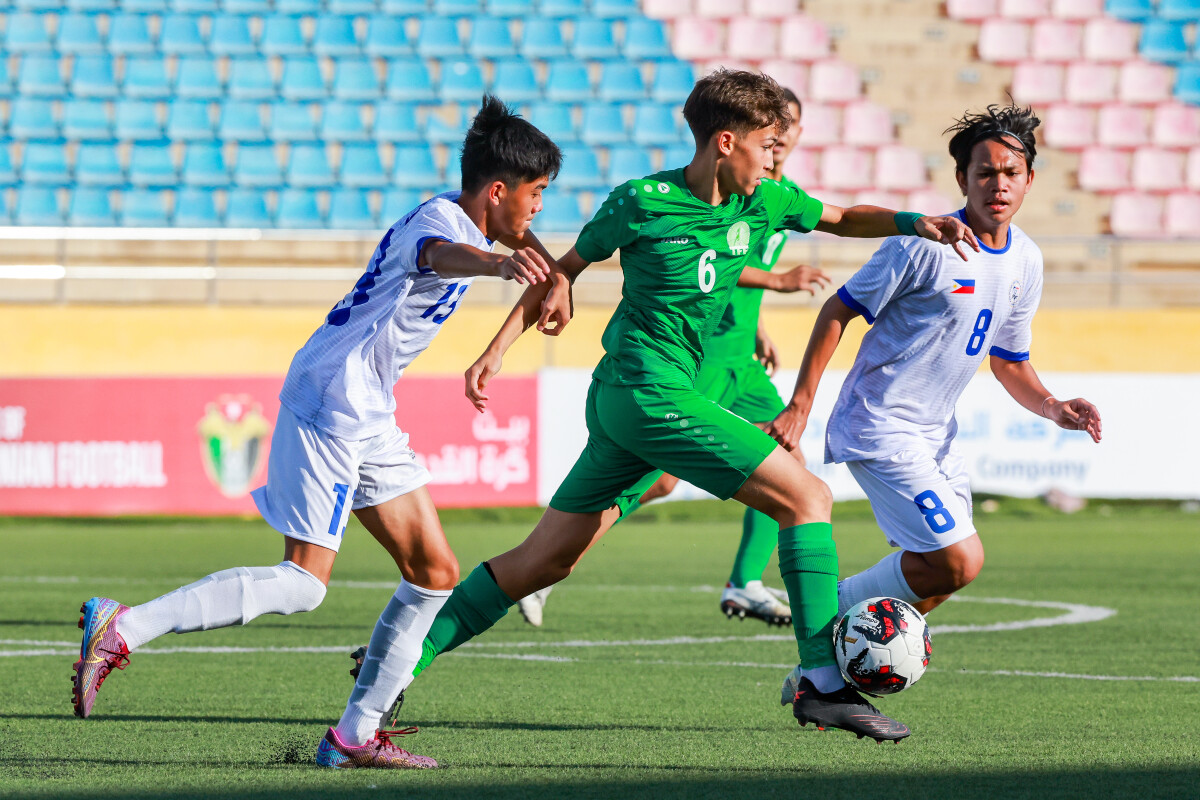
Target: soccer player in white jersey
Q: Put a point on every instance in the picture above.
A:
(934, 319)
(337, 448)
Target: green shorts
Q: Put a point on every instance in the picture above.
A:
(746, 390)
(634, 432)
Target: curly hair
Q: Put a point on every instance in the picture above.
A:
(998, 123)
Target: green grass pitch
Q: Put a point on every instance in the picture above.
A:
(637, 687)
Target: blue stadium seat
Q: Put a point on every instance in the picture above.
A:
(457, 8)
(510, 8)
(335, 37)
(137, 120)
(1187, 84)
(197, 78)
(414, 167)
(387, 38)
(408, 79)
(343, 122)
(350, 209)
(302, 79)
(180, 36)
(396, 122)
(45, 164)
(655, 124)
(439, 38)
(257, 166)
(247, 208)
(462, 81)
(5, 210)
(38, 5)
(129, 35)
(145, 6)
(283, 36)
(292, 122)
(611, 9)
(151, 165)
(189, 120)
(38, 205)
(77, 33)
(241, 121)
(361, 167)
(355, 79)
(627, 163)
(196, 208)
(5, 78)
(8, 175)
(231, 36)
(593, 39)
(91, 5)
(440, 130)
(560, 213)
(353, 7)
(93, 76)
(490, 38)
(194, 6)
(250, 79)
(204, 165)
(26, 33)
(621, 81)
(554, 120)
(1179, 10)
(144, 208)
(309, 166)
(31, 118)
(603, 123)
(98, 165)
(543, 39)
(452, 177)
(562, 8)
(146, 77)
(645, 39)
(673, 82)
(259, 7)
(298, 209)
(1130, 10)
(86, 119)
(514, 81)
(568, 82)
(404, 8)
(1164, 41)
(397, 203)
(40, 76)
(297, 6)
(580, 169)
(90, 207)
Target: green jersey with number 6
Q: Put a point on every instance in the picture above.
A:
(681, 258)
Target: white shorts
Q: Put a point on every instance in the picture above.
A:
(314, 479)
(921, 503)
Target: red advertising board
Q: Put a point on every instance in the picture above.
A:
(82, 446)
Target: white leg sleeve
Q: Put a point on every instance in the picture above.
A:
(394, 650)
(230, 597)
(885, 579)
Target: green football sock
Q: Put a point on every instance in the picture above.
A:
(760, 534)
(475, 605)
(809, 566)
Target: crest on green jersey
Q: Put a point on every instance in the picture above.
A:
(738, 238)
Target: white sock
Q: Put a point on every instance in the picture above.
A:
(224, 598)
(885, 579)
(826, 679)
(394, 650)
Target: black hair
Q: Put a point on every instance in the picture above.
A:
(998, 123)
(501, 146)
(790, 96)
(737, 101)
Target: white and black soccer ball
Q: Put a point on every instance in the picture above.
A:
(883, 645)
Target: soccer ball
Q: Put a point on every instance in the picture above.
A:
(882, 645)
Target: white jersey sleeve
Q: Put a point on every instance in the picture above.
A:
(895, 270)
(1015, 337)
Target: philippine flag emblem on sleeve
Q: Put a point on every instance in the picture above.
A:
(964, 286)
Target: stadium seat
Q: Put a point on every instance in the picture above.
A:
(1179, 10)
(514, 81)
(352, 7)
(593, 39)
(972, 10)
(457, 8)
(45, 165)
(395, 122)
(438, 38)
(129, 35)
(414, 167)
(1157, 170)
(554, 120)
(302, 79)
(490, 38)
(751, 38)
(1028, 10)
(93, 76)
(446, 128)
(1069, 127)
(462, 82)
(195, 6)
(408, 79)
(560, 213)
(308, 166)
(899, 168)
(189, 120)
(1187, 84)
(542, 39)
(335, 38)
(612, 9)
(397, 203)
(180, 36)
(1176, 125)
(510, 8)
(250, 79)
(257, 7)
(298, 209)
(37, 205)
(26, 33)
(452, 174)
(144, 208)
(580, 169)
(1144, 83)
(1037, 83)
(803, 38)
(204, 165)
(86, 119)
(247, 208)
(720, 9)
(90, 207)
(678, 155)
(1121, 126)
(834, 82)
(822, 125)
(241, 122)
(673, 81)
(1109, 40)
(146, 77)
(603, 124)
(645, 39)
(667, 9)
(77, 33)
(151, 165)
(845, 169)
(654, 124)
(197, 78)
(195, 208)
(145, 6)
(878, 197)
(308, 7)
(256, 165)
(137, 120)
(292, 122)
(355, 79)
(1103, 170)
(561, 8)
(1131, 10)
(568, 82)
(1180, 215)
(696, 38)
(31, 118)
(5, 78)
(40, 76)
(1164, 41)
(1134, 214)
(350, 209)
(931, 201)
(1056, 40)
(362, 167)
(867, 124)
(1003, 41)
(621, 82)
(627, 163)
(98, 165)
(283, 36)
(343, 122)
(231, 36)
(1193, 169)
(1090, 84)
(387, 38)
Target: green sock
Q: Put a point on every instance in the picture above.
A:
(475, 605)
(809, 566)
(760, 534)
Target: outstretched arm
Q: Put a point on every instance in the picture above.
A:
(872, 221)
(1021, 381)
(454, 260)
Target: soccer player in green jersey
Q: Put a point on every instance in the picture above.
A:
(684, 236)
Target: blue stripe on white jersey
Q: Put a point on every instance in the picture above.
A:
(341, 381)
(934, 318)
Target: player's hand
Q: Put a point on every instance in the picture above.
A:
(788, 427)
(558, 307)
(1075, 415)
(948, 230)
(766, 353)
(801, 279)
(478, 376)
(525, 265)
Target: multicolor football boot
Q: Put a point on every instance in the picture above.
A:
(379, 753)
(101, 651)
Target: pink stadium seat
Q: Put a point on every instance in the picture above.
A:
(1090, 84)
(1056, 40)
(1070, 127)
(972, 10)
(1193, 170)
(753, 39)
(1037, 83)
(900, 168)
(1109, 40)
(1122, 126)
(1136, 214)
(727, 63)
(1077, 9)
(1182, 212)
(1156, 170)
(790, 74)
(1176, 125)
(696, 38)
(803, 38)
(772, 9)
(667, 9)
(833, 197)
(720, 9)
(834, 82)
(874, 197)
(867, 124)
(931, 201)
(1145, 83)
(1024, 9)
(1103, 170)
(803, 166)
(846, 169)
(1003, 41)
(822, 125)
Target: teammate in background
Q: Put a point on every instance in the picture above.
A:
(933, 321)
(337, 448)
(738, 362)
(684, 236)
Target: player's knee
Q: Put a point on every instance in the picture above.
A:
(815, 500)
(439, 574)
(301, 590)
(961, 565)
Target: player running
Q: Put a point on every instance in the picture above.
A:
(684, 236)
(337, 448)
(933, 321)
